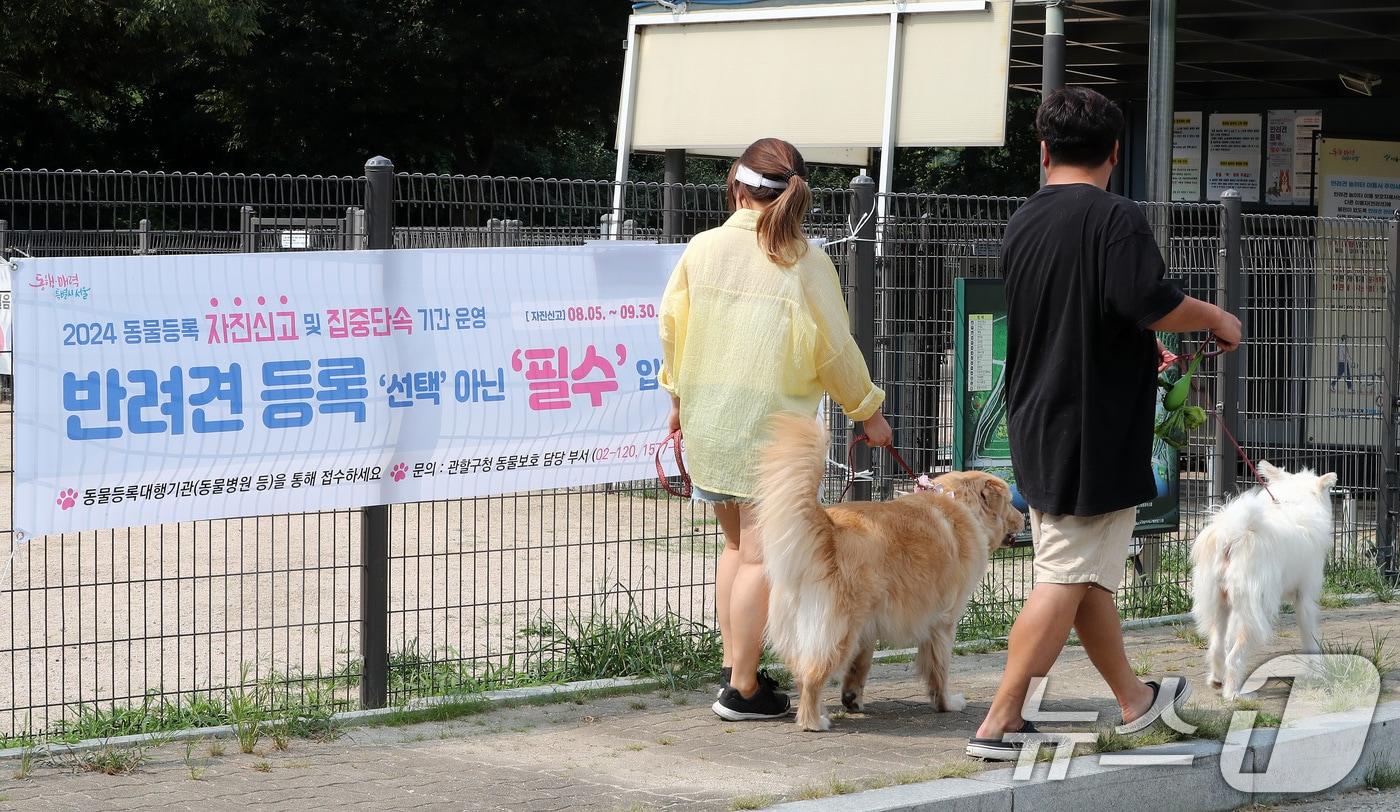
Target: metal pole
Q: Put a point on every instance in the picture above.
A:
(1161, 83)
(1052, 49)
(143, 237)
(374, 519)
(4, 239)
(624, 128)
(861, 252)
(1230, 297)
(891, 110)
(672, 218)
(1389, 495)
(1052, 55)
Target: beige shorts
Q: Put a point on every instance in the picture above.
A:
(1082, 549)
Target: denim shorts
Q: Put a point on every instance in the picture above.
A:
(699, 494)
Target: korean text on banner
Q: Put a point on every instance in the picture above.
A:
(178, 388)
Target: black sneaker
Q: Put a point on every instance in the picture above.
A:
(996, 749)
(764, 704)
(1180, 692)
(764, 680)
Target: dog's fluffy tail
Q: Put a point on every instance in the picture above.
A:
(796, 533)
(1227, 539)
(791, 519)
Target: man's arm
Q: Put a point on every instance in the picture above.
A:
(1193, 315)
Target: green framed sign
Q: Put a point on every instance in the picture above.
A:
(980, 440)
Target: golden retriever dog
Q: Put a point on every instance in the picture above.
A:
(845, 576)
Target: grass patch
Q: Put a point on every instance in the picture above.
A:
(1383, 775)
(262, 766)
(1362, 580)
(195, 769)
(1376, 649)
(828, 789)
(1110, 741)
(216, 748)
(954, 769)
(111, 760)
(1154, 600)
(977, 647)
(751, 802)
(1210, 725)
(1142, 666)
(665, 741)
(1188, 634)
(681, 652)
(989, 614)
(25, 768)
(1332, 600)
(637, 705)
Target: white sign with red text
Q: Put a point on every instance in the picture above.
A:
(155, 389)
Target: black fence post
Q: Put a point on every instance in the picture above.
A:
(4, 239)
(1388, 494)
(1230, 297)
(862, 300)
(374, 519)
(673, 197)
(247, 240)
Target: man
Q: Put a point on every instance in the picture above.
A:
(1085, 289)
(1343, 366)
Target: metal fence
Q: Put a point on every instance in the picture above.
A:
(341, 609)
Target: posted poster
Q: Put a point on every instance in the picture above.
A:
(980, 439)
(1236, 143)
(1289, 157)
(158, 389)
(1186, 157)
(1305, 128)
(1357, 179)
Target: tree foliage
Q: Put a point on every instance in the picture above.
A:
(525, 87)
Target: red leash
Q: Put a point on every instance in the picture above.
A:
(1220, 421)
(686, 488)
(851, 464)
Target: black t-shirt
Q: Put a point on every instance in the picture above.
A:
(1084, 281)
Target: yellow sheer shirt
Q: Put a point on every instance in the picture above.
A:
(744, 339)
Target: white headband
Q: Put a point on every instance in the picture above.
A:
(748, 177)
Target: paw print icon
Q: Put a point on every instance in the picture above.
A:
(400, 471)
(67, 498)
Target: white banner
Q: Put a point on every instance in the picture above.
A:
(177, 388)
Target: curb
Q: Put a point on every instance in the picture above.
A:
(1090, 783)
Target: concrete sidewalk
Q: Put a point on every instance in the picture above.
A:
(645, 751)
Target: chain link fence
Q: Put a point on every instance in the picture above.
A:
(124, 630)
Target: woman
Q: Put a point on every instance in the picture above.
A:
(753, 323)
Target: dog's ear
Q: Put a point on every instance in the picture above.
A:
(1269, 471)
(993, 490)
(1326, 482)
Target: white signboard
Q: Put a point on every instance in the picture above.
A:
(1236, 145)
(177, 388)
(1186, 157)
(980, 355)
(1289, 157)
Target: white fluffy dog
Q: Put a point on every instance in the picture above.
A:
(1254, 554)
